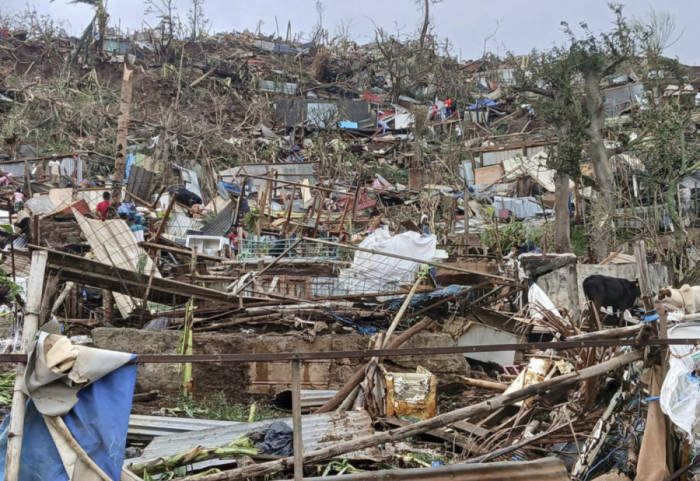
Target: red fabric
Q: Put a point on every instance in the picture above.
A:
(102, 209)
(370, 97)
(81, 206)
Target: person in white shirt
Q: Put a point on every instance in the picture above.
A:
(55, 170)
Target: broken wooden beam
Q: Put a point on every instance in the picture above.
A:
(359, 375)
(96, 274)
(420, 427)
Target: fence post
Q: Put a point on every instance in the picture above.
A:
(296, 421)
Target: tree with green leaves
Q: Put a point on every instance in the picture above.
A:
(597, 57)
(551, 76)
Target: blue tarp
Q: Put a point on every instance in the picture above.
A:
(482, 104)
(423, 300)
(235, 188)
(130, 160)
(99, 422)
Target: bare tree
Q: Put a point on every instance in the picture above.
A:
(168, 20)
(199, 23)
(424, 6)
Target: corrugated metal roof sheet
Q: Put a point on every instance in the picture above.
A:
(220, 224)
(40, 205)
(550, 469)
(139, 182)
(320, 430)
(149, 427)
(113, 244)
(179, 224)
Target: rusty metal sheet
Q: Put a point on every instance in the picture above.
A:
(551, 469)
(411, 394)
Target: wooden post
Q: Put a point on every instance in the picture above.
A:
(357, 193)
(320, 211)
(164, 222)
(640, 255)
(122, 133)
(35, 230)
(289, 212)
(19, 399)
(296, 420)
(108, 305)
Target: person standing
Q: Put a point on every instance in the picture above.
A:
(19, 199)
(103, 207)
(55, 170)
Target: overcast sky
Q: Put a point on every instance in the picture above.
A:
(520, 25)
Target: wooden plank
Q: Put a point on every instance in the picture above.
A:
(488, 175)
(451, 438)
(470, 428)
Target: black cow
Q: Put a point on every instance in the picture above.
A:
(604, 291)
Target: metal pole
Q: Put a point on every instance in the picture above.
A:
(296, 421)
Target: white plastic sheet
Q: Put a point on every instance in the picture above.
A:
(378, 273)
(540, 301)
(680, 393)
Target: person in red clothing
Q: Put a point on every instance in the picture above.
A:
(233, 240)
(103, 207)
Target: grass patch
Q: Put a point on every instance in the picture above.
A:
(217, 407)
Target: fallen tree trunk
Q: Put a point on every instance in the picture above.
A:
(617, 333)
(443, 420)
(359, 375)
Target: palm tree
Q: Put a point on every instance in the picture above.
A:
(100, 15)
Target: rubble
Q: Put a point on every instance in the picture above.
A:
(367, 236)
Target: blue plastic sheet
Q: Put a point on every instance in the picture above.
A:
(130, 160)
(99, 422)
(370, 330)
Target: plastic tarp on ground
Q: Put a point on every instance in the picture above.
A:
(680, 393)
(371, 273)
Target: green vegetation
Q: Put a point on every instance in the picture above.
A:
(218, 407)
(513, 234)
(7, 386)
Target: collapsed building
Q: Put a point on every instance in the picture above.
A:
(408, 313)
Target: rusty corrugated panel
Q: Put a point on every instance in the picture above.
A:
(549, 469)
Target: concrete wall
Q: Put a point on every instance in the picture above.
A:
(267, 377)
(561, 287)
(659, 274)
(565, 286)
